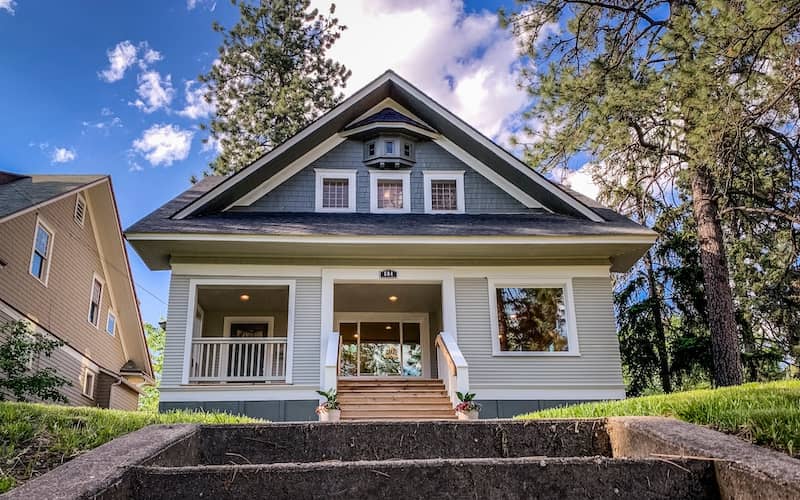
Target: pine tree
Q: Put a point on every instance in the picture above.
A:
(273, 77)
(671, 90)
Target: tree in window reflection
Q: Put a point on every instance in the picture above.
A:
(532, 319)
(380, 359)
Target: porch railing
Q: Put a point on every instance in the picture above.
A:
(331, 372)
(453, 369)
(238, 359)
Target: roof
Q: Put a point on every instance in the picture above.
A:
(20, 192)
(534, 223)
(388, 115)
(458, 135)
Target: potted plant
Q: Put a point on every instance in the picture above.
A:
(329, 410)
(467, 409)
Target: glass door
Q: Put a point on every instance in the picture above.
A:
(380, 348)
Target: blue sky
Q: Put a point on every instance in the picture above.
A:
(67, 109)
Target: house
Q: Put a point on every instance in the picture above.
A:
(64, 268)
(390, 250)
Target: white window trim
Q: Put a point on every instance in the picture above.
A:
(374, 176)
(193, 305)
(332, 173)
(95, 276)
(569, 302)
(90, 392)
(228, 320)
(109, 315)
(80, 198)
(444, 175)
(48, 257)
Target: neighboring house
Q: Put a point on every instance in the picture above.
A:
(386, 243)
(64, 268)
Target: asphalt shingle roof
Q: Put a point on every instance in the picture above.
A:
(388, 115)
(20, 192)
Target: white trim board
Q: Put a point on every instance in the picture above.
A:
(548, 393)
(243, 392)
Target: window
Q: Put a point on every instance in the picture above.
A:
(80, 210)
(407, 150)
(89, 378)
(388, 147)
(111, 323)
(371, 149)
(336, 190)
(94, 301)
(248, 326)
(532, 319)
(42, 250)
(444, 192)
(389, 192)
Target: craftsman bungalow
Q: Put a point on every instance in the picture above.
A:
(390, 250)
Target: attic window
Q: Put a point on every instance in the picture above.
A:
(388, 147)
(444, 192)
(407, 149)
(371, 149)
(80, 210)
(389, 192)
(336, 190)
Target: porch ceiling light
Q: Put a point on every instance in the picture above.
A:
(392, 298)
(388, 327)
(244, 297)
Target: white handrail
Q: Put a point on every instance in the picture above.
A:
(453, 369)
(331, 371)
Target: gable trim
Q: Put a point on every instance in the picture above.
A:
(288, 172)
(492, 176)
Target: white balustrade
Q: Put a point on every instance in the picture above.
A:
(223, 359)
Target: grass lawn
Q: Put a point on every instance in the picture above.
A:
(767, 414)
(35, 438)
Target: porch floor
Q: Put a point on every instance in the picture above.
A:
(393, 399)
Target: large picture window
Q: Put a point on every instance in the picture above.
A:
(532, 319)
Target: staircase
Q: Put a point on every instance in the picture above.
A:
(394, 399)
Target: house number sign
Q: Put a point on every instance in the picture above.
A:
(388, 273)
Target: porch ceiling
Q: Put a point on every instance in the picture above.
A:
(375, 298)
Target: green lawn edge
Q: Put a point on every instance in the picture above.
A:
(35, 438)
(766, 414)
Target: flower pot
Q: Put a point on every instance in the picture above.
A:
(330, 415)
(467, 415)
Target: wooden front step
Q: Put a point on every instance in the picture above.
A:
(394, 399)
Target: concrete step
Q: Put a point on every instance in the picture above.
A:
(508, 478)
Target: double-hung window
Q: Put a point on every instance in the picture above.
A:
(111, 323)
(444, 192)
(42, 251)
(532, 318)
(95, 300)
(390, 192)
(336, 190)
(88, 383)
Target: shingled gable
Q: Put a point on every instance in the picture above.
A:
(454, 135)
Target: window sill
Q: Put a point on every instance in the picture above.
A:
(526, 354)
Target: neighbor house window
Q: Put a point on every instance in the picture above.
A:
(532, 319)
(89, 379)
(111, 323)
(336, 190)
(42, 250)
(80, 210)
(389, 192)
(444, 192)
(94, 301)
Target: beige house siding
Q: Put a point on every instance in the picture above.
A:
(123, 398)
(306, 358)
(598, 365)
(62, 306)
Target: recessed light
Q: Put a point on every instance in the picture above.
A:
(244, 297)
(393, 298)
(388, 327)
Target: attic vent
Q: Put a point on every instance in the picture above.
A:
(80, 210)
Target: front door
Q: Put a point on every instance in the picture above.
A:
(382, 345)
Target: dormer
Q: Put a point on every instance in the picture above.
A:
(389, 138)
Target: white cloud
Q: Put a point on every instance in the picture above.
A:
(164, 144)
(63, 155)
(120, 58)
(464, 61)
(154, 91)
(150, 55)
(196, 105)
(581, 180)
(8, 6)
(210, 4)
(108, 121)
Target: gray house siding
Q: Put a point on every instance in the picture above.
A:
(481, 196)
(597, 367)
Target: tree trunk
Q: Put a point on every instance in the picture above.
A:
(658, 323)
(722, 322)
